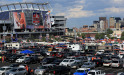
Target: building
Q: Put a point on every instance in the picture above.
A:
(58, 24)
(27, 22)
(105, 23)
(111, 22)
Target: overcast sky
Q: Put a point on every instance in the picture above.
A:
(81, 12)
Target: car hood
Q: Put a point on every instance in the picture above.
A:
(39, 69)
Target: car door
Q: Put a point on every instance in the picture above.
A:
(21, 71)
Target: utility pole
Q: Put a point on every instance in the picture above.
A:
(4, 28)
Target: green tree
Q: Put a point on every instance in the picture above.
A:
(122, 36)
(83, 35)
(99, 36)
(109, 31)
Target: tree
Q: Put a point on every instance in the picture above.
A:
(109, 31)
(99, 36)
(122, 36)
(83, 35)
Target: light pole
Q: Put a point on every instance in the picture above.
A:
(4, 28)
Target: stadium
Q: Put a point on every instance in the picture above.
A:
(23, 20)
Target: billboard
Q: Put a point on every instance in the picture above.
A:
(37, 21)
(46, 19)
(36, 18)
(19, 20)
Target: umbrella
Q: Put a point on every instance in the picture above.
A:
(27, 52)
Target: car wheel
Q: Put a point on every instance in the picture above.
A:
(69, 73)
(3, 73)
(25, 74)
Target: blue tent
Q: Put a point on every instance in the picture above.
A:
(27, 52)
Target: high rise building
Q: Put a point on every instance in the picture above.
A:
(96, 24)
(111, 22)
(105, 22)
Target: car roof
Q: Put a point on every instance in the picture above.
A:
(5, 67)
(94, 70)
(48, 64)
(83, 69)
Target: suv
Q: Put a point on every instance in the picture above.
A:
(96, 72)
(81, 71)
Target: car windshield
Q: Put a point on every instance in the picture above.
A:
(80, 71)
(86, 63)
(2, 69)
(71, 60)
(13, 70)
(114, 61)
(43, 67)
(65, 60)
(107, 61)
(21, 57)
(91, 73)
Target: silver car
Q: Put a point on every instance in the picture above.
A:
(4, 69)
(17, 71)
(89, 65)
(40, 70)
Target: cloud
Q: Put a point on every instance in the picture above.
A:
(113, 10)
(118, 1)
(76, 10)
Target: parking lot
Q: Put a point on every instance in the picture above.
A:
(105, 69)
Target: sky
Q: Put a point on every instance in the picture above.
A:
(81, 12)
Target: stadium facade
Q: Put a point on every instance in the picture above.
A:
(27, 19)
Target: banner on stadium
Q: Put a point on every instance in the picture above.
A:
(19, 20)
(36, 19)
(52, 21)
(46, 19)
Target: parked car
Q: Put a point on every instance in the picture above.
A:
(57, 61)
(81, 71)
(107, 61)
(117, 63)
(14, 65)
(98, 62)
(17, 71)
(21, 59)
(14, 57)
(57, 70)
(89, 65)
(100, 52)
(96, 72)
(40, 70)
(4, 69)
(47, 60)
(32, 59)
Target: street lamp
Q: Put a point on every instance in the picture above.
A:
(4, 28)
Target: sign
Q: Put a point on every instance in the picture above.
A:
(46, 19)
(36, 18)
(19, 20)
